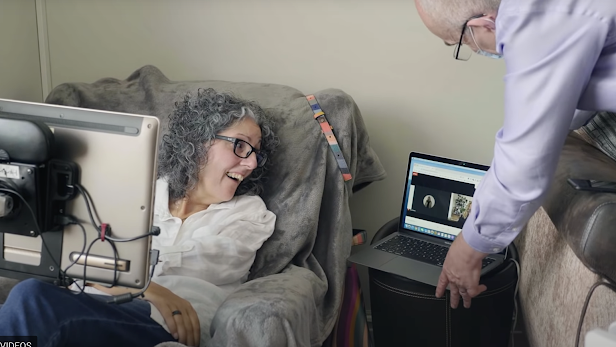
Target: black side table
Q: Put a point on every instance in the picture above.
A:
(407, 313)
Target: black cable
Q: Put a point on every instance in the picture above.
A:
(115, 265)
(85, 264)
(63, 221)
(599, 283)
(110, 238)
(90, 206)
(89, 200)
(83, 248)
(126, 297)
(69, 220)
(12, 191)
(35, 220)
(116, 299)
(86, 198)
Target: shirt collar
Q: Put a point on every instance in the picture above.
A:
(161, 201)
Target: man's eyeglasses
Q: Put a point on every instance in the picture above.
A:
(244, 149)
(462, 51)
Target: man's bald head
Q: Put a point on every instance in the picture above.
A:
(445, 18)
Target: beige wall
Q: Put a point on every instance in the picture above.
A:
(20, 75)
(414, 96)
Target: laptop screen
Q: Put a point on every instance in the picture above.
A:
(439, 195)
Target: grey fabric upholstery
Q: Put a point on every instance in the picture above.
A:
(296, 284)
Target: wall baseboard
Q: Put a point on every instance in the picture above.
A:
(43, 43)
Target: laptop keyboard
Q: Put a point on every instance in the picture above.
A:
(419, 250)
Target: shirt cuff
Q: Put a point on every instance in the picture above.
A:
(478, 242)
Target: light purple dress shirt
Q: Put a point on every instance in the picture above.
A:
(560, 57)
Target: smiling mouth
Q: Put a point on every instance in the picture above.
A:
(235, 176)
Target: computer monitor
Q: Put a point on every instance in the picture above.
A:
(108, 157)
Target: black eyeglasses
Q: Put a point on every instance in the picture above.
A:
(466, 54)
(244, 149)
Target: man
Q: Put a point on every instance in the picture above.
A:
(560, 57)
(428, 202)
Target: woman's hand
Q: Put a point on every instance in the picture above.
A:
(184, 326)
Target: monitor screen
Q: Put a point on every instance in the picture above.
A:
(106, 163)
(439, 196)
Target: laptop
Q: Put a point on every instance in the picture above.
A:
(437, 199)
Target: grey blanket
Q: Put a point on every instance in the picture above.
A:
(296, 284)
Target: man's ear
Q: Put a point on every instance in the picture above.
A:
(486, 22)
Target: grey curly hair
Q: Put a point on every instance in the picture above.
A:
(194, 123)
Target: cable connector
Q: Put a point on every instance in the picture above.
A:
(63, 280)
(121, 299)
(154, 257)
(64, 220)
(155, 231)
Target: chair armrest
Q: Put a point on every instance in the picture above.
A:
(585, 219)
(276, 310)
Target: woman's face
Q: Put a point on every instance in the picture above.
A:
(224, 170)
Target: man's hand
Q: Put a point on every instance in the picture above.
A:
(183, 326)
(461, 271)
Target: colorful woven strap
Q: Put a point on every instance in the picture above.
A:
(328, 131)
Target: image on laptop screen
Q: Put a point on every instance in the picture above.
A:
(439, 197)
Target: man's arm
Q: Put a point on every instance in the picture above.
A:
(549, 59)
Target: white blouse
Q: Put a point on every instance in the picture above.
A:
(209, 255)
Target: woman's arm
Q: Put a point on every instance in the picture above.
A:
(184, 326)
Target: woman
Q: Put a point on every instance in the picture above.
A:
(212, 223)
